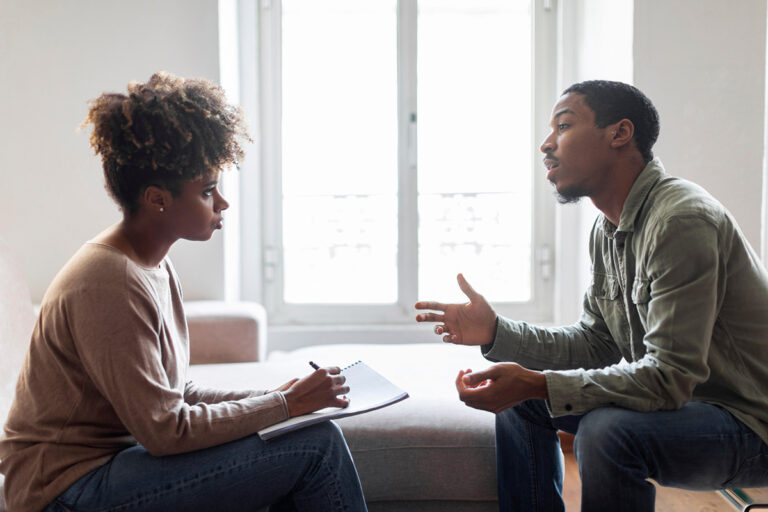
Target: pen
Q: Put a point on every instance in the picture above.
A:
(313, 365)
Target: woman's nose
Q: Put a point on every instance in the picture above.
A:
(221, 203)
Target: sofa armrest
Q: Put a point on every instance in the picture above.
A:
(226, 332)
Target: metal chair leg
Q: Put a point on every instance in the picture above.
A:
(739, 499)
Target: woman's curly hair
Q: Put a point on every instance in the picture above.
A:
(163, 132)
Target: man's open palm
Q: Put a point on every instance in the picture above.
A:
(471, 323)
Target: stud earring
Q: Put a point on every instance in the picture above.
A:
(162, 209)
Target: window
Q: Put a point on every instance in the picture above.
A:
(399, 145)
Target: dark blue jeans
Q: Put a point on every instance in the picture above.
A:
(699, 446)
(308, 470)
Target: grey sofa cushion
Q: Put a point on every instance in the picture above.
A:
(423, 450)
(429, 447)
(17, 320)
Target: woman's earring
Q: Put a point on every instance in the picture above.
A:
(162, 209)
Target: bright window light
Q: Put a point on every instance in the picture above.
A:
(475, 140)
(339, 154)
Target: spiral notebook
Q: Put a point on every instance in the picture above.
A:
(368, 391)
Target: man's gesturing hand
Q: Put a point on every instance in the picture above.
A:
(472, 323)
(500, 387)
(317, 390)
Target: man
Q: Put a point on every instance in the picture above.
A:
(676, 291)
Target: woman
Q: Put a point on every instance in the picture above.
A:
(103, 417)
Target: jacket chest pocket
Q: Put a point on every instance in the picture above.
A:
(607, 294)
(641, 296)
(605, 287)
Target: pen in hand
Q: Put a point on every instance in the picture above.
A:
(316, 367)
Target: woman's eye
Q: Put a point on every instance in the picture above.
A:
(562, 126)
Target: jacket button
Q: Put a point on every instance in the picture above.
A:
(568, 407)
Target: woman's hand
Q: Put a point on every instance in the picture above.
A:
(285, 386)
(472, 323)
(317, 390)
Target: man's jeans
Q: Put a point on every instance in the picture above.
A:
(310, 469)
(699, 446)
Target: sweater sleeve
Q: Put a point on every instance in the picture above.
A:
(122, 340)
(194, 394)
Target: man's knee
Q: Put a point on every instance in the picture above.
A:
(603, 433)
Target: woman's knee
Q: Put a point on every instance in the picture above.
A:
(329, 431)
(326, 436)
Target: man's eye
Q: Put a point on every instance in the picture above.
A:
(209, 191)
(562, 126)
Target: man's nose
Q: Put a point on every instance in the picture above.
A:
(548, 145)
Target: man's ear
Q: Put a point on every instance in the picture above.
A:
(156, 199)
(621, 133)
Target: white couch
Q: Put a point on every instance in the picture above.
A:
(427, 453)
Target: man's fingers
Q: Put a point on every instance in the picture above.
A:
(430, 317)
(477, 398)
(459, 382)
(437, 306)
(482, 398)
(466, 288)
(475, 378)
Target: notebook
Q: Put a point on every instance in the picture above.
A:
(368, 391)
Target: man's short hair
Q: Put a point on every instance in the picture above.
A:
(614, 101)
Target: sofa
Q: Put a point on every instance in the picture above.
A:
(426, 453)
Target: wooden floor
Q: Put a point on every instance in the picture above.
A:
(667, 499)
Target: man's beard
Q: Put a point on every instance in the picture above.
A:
(570, 195)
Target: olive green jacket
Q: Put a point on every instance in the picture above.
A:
(677, 310)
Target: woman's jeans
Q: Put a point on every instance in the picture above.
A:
(700, 446)
(310, 469)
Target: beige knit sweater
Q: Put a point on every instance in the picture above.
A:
(106, 368)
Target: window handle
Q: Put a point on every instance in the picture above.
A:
(545, 262)
(269, 264)
(412, 140)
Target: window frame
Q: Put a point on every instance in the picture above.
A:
(262, 245)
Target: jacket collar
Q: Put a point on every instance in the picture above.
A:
(648, 177)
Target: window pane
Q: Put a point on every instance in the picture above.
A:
(475, 143)
(339, 151)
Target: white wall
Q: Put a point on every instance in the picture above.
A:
(702, 62)
(54, 56)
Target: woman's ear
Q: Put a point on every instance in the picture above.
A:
(155, 199)
(621, 133)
